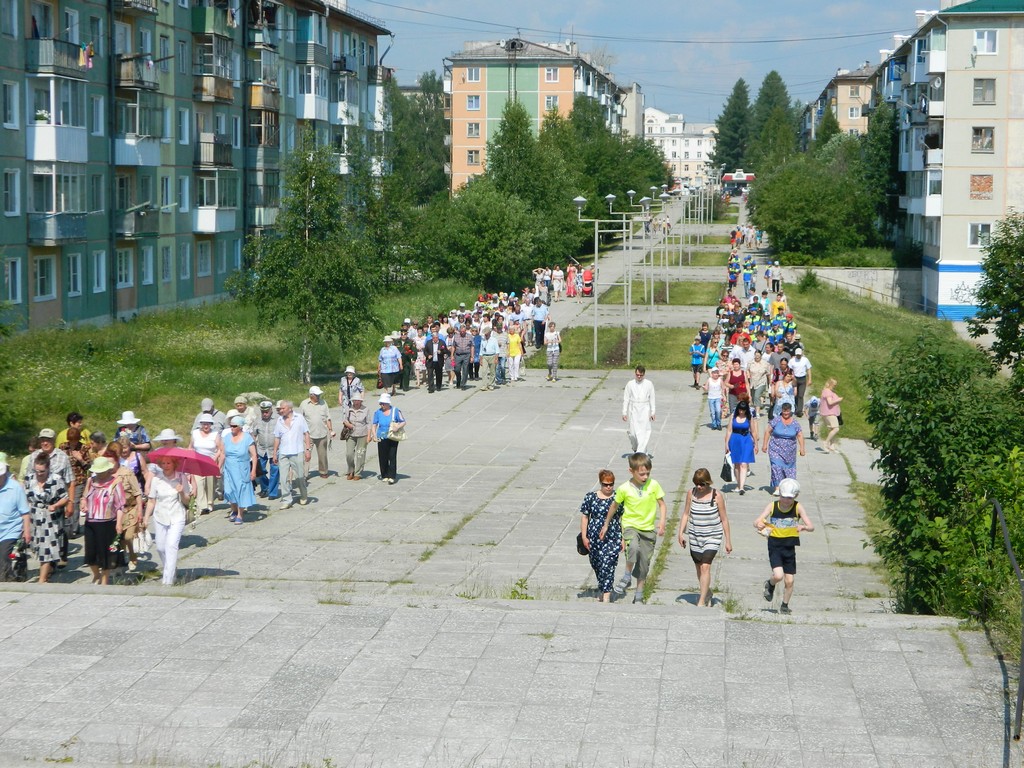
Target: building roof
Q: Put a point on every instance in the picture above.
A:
(988, 7)
(524, 49)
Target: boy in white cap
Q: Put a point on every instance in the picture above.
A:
(781, 523)
(315, 411)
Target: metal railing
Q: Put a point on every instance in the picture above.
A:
(997, 514)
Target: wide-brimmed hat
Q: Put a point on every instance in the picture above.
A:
(206, 419)
(350, 369)
(167, 434)
(385, 399)
(387, 339)
(102, 464)
(128, 419)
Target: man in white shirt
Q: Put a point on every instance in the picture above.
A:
(292, 444)
(743, 352)
(638, 410)
(801, 368)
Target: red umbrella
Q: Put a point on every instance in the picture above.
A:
(192, 462)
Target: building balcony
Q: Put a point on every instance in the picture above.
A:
(137, 72)
(211, 21)
(212, 88)
(933, 157)
(50, 56)
(262, 96)
(937, 107)
(141, 222)
(345, 64)
(213, 150)
(340, 163)
(311, 107)
(263, 216)
(311, 53)
(211, 220)
(936, 62)
(55, 228)
(136, 151)
(904, 203)
(53, 143)
(263, 157)
(136, 7)
(933, 205)
(343, 113)
(378, 75)
(447, 84)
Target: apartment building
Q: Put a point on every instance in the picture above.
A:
(141, 140)
(484, 76)
(687, 147)
(955, 84)
(847, 94)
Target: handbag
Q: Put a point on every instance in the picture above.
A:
(839, 419)
(580, 546)
(726, 470)
(397, 433)
(345, 434)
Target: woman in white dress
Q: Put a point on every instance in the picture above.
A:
(557, 283)
(207, 443)
(638, 409)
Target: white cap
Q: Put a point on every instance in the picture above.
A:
(315, 390)
(789, 488)
(385, 399)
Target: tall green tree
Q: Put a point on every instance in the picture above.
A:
(775, 143)
(881, 165)
(999, 295)
(772, 95)
(733, 127)
(305, 280)
(827, 129)
(418, 129)
(512, 159)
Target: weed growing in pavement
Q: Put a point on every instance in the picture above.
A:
(520, 590)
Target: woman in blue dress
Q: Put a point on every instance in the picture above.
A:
(604, 553)
(781, 440)
(238, 464)
(741, 442)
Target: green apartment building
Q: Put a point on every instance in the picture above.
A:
(141, 140)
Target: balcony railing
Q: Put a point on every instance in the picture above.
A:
(378, 75)
(213, 150)
(311, 53)
(49, 56)
(137, 72)
(54, 228)
(264, 97)
(212, 88)
(211, 21)
(137, 223)
(135, 6)
(344, 64)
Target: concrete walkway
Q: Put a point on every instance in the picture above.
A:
(375, 626)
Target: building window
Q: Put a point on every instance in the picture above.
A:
(236, 132)
(165, 194)
(184, 119)
(165, 263)
(45, 287)
(985, 41)
(74, 274)
(99, 271)
(550, 74)
(96, 193)
(12, 281)
(854, 91)
(98, 117)
(983, 139)
(984, 90)
(978, 235)
(473, 103)
(9, 17)
(164, 53)
(473, 157)
(125, 267)
(222, 257)
(981, 186)
(183, 194)
(204, 266)
(10, 104)
(854, 113)
(96, 34)
(12, 192)
(185, 261)
(238, 254)
(472, 130)
(472, 74)
(550, 102)
(182, 55)
(147, 265)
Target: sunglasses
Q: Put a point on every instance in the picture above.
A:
(607, 485)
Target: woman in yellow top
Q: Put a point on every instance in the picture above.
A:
(515, 350)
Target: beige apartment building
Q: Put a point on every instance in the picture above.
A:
(687, 147)
(847, 94)
(956, 86)
(480, 80)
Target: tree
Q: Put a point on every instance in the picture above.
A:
(512, 160)
(775, 143)
(418, 131)
(827, 128)
(304, 279)
(733, 129)
(999, 295)
(881, 165)
(770, 97)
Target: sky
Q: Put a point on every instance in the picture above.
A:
(686, 54)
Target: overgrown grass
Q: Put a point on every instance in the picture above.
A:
(691, 259)
(161, 365)
(858, 257)
(680, 293)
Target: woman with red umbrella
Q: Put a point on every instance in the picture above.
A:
(169, 492)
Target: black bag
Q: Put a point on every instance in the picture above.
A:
(839, 418)
(726, 470)
(580, 548)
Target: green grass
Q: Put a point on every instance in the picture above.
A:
(680, 293)
(716, 239)
(656, 348)
(858, 257)
(688, 258)
(161, 365)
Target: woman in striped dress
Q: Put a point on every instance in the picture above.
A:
(704, 526)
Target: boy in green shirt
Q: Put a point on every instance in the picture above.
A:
(639, 498)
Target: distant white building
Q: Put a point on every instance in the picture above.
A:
(687, 147)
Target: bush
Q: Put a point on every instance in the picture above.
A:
(809, 281)
(880, 258)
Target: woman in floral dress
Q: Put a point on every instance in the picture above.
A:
(604, 553)
(48, 499)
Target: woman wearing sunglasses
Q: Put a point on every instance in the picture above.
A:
(604, 552)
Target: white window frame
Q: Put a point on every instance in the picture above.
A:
(472, 130)
(98, 122)
(184, 124)
(182, 50)
(978, 234)
(204, 259)
(184, 261)
(981, 42)
(184, 201)
(473, 157)
(74, 275)
(12, 280)
(99, 271)
(550, 74)
(980, 149)
(166, 263)
(470, 103)
(853, 113)
(550, 102)
(51, 288)
(980, 81)
(15, 175)
(10, 105)
(472, 74)
(124, 263)
(72, 30)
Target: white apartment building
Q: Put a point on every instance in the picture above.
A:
(956, 86)
(687, 147)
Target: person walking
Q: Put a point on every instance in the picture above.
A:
(705, 528)
(714, 386)
(461, 346)
(389, 365)
(349, 384)
(489, 357)
(781, 522)
(291, 440)
(385, 422)
(103, 503)
(168, 492)
(317, 413)
(357, 424)
(435, 350)
(206, 442)
(801, 368)
(782, 438)
(238, 464)
(553, 348)
(603, 544)
(638, 409)
(741, 442)
(48, 499)
(830, 411)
